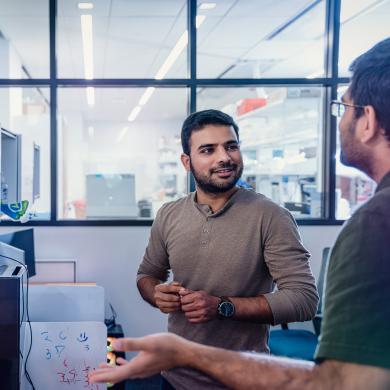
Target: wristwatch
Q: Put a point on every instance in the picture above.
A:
(226, 307)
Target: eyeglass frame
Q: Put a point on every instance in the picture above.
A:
(338, 103)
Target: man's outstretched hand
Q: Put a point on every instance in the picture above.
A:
(158, 352)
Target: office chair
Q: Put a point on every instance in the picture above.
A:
(299, 343)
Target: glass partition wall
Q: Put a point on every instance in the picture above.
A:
(101, 89)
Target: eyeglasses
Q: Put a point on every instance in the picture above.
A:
(337, 108)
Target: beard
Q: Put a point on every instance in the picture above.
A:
(352, 153)
(212, 186)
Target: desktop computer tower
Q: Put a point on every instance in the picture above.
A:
(12, 310)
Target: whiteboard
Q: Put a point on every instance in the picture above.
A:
(64, 353)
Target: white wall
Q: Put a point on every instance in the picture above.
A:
(110, 256)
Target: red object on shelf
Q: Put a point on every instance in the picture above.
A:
(250, 104)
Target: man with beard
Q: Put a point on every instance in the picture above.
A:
(354, 347)
(227, 247)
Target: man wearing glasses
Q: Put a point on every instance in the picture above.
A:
(354, 346)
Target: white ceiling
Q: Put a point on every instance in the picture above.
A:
(132, 38)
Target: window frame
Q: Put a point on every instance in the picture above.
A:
(329, 82)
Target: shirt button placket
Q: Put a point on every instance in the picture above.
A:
(205, 234)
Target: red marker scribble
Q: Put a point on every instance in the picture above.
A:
(68, 376)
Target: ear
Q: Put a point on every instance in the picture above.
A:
(371, 128)
(185, 160)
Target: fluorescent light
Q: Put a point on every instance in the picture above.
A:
(164, 69)
(142, 101)
(91, 131)
(122, 134)
(173, 55)
(207, 5)
(134, 113)
(85, 5)
(146, 96)
(87, 35)
(199, 20)
(177, 50)
(91, 96)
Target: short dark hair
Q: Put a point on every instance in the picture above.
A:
(198, 120)
(370, 83)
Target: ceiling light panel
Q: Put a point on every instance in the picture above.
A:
(206, 6)
(85, 5)
(87, 37)
(121, 29)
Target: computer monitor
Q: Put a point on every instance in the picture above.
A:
(24, 240)
(36, 172)
(11, 162)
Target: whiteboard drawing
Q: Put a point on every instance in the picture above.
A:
(64, 353)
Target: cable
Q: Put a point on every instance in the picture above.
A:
(31, 340)
(28, 321)
(110, 322)
(114, 315)
(21, 320)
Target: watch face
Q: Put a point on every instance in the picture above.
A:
(226, 309)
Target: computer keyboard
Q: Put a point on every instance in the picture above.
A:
(3, 267)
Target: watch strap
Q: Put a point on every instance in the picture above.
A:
(224, 299)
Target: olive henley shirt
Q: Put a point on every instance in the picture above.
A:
(242, 250)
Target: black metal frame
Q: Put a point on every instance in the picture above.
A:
(330, 83)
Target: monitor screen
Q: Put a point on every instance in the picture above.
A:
(24, 240)
(11, 162)
(36, 172)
